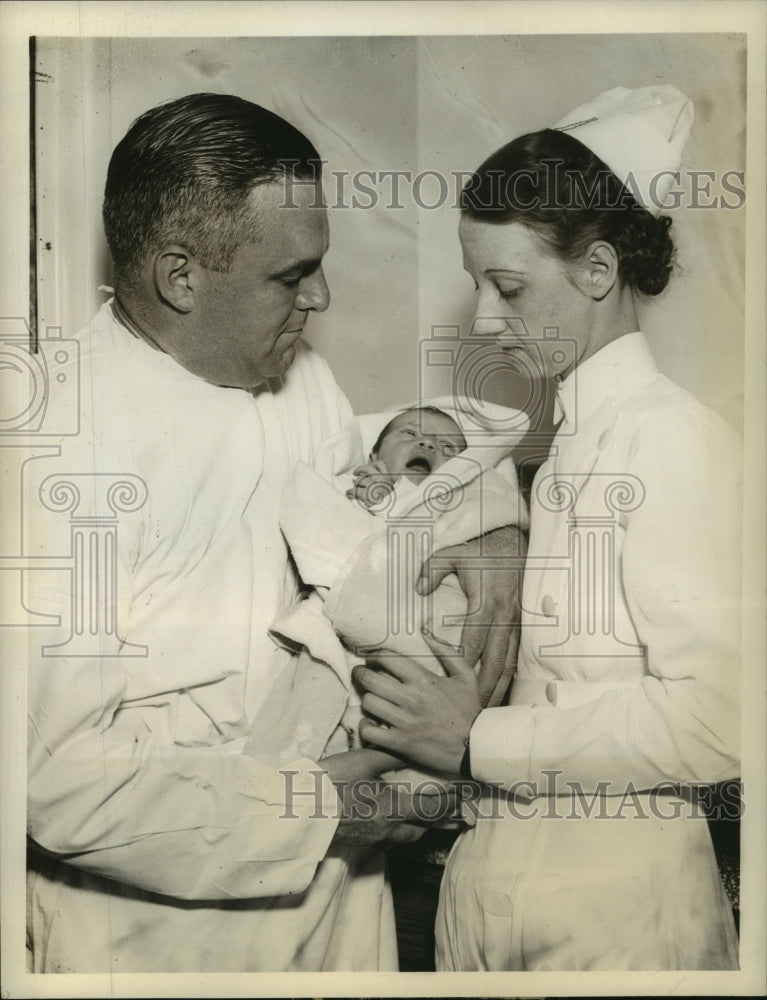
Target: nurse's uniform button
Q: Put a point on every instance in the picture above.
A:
(549, 606)
(604, 437)
(551, 693)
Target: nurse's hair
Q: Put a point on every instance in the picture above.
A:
(555, 186)
(184, 171)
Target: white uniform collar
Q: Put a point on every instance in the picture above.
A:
(615, 371)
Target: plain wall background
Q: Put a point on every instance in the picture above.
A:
(415, 104)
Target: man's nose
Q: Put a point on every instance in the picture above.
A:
(314, 293)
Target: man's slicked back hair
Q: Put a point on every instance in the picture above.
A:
(183, 173)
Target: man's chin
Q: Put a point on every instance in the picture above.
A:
(276, 366)
(279, 364)
(287, 358)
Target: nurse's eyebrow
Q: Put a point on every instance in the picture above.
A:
(503, 270)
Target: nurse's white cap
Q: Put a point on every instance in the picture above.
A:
(639, 134)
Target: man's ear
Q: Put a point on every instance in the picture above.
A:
(175, 277)
(597, 270)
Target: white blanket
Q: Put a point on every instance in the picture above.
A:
(363, 568)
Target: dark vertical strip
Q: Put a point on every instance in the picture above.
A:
(32, 202)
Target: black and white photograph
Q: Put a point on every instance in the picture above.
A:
(383, 499)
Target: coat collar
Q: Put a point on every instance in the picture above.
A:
(615, 372)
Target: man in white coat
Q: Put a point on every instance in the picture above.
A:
(156, 845)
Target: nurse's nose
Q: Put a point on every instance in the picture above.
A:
(488, 326)
(314, 292)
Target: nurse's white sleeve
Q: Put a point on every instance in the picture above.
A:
(680, 576)
(188, 823)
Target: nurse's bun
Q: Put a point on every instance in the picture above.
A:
(645, 252)
(554, 185)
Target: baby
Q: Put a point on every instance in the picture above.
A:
(429, 489)
(412, 445)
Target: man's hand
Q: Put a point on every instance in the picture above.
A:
(375, 811)
(372, 484)
(427, 717)
(360, 765)
(489, 570)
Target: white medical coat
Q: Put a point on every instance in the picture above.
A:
(628, 677)
(179, 853)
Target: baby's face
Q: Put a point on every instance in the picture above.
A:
(418, 442)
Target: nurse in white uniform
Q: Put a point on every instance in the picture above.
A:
(592, 852)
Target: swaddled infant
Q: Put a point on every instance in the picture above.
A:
(360, 576)
(412, 445)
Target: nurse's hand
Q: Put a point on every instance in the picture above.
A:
(375, 811)
(426, 718)
(489, 570)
